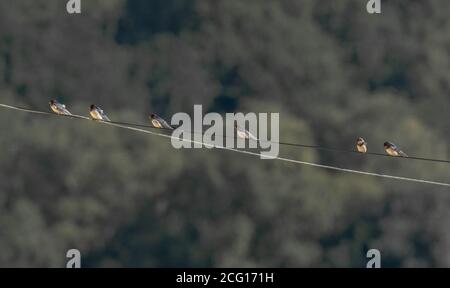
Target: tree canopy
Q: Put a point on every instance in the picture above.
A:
(332, 71)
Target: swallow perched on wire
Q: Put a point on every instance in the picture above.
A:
(59, 108)
(98, 114)
(158, 122)
(361, 145)
(243, 133)
(393, 150)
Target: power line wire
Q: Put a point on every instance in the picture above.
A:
(299, 145)
(243, 151)
(285, 159)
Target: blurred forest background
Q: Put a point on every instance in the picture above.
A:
(124, 199)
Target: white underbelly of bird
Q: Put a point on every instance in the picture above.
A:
(55, 109)
(242, 134)
(96, 115)
(392, 152)
(362, 149)
(156, 123)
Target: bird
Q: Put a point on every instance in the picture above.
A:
(59, 108)
(361, 145)
(98, 114)
(393, 150)
(158, 122)
(243, 133)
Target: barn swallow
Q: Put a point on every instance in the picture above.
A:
(59, 108)
(361, 145)
(243, 133)
(393, 150)
(158, 122)
(98, 114)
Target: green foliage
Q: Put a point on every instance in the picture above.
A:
(331, 70)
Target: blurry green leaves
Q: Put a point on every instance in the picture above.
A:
(181, 63)
(81, 179)
(143, 19)
(126, 199)
(5, 52)
(28, 239)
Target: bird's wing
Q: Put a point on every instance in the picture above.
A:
(239, 128)
(105, 117)
(166, 125)
(251, 136)
(163, 122)
(62, 107)
(394, 147)
(402, 153)
(102, 114)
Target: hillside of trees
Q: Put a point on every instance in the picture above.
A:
(125, 199)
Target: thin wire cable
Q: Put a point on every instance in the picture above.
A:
(245, 152)
(284, 159)
(42, 112)
(316, 147)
